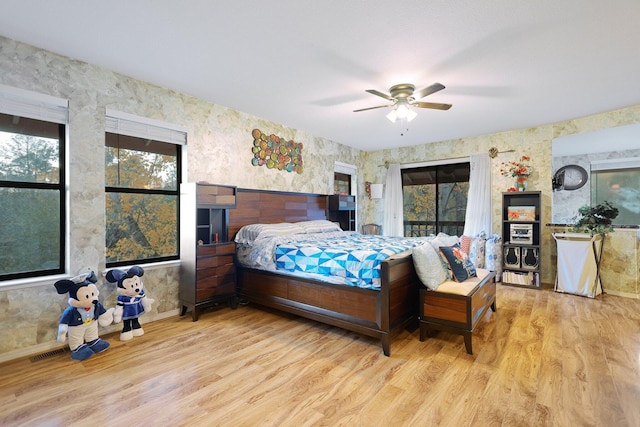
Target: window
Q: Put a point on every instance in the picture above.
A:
(142, 186)
(435, 199)
(344, 178)
(617, 181)
(32, 184)
(341, 183)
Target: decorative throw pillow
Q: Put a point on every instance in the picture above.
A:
(476, 250)
(493, 256)
(465, 243)
(443, 239)
(461, 267)
(428, 266)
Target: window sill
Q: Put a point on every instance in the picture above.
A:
(50, 280)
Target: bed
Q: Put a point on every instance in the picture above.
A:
(374, 311)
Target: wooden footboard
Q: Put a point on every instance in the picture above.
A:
(369, 312)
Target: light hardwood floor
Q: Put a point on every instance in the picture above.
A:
(543, 359)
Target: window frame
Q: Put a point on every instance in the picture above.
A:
(341, 177)
(25, 104)
(155, 131)
(350, 170)
(436, 168)
(602, 169)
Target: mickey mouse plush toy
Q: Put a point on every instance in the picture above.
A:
(132, 301)
(81, 319)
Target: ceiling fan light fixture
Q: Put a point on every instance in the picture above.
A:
(403, 97)
(402, 112)
(411, 114)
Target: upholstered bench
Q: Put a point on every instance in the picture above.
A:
(457, 307)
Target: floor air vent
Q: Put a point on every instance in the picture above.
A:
(49, 354)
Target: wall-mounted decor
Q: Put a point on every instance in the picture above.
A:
(374, 191)
(276, 152)
(570, 177)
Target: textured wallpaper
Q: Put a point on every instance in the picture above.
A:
(219, 151)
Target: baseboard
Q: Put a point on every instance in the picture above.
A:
(55, 345)
(622, 294)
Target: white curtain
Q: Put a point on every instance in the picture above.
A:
(393, 224)
(478, 215)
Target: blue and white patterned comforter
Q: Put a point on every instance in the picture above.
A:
(352, 257)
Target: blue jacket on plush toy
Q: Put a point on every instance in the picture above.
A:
(75, 317)
(131, 306)
(132, 301)
(81, 319)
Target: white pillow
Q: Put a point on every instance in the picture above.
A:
(318, 226)
(249, 233)
(429, 267)
(443, 239)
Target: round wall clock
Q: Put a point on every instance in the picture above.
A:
(571, 177)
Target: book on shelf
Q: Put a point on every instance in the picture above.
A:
(531, 278)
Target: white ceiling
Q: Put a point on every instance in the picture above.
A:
(506, 64)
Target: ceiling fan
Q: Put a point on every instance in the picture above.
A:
(404, 96)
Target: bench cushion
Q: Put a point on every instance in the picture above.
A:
(463, 288)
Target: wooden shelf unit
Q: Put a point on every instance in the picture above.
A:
(521, 237)
(207, 268)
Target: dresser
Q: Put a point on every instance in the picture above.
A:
(207, 268)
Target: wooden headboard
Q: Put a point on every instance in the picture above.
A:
(270, 207)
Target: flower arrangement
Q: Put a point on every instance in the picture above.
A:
(520, 168)
(595, 220)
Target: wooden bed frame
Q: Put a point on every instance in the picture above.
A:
(369, 312)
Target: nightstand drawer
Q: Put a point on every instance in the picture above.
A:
(213, 261)
(219, 249)
(210, 286)
(223, 270)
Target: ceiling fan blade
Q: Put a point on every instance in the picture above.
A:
(434, 105)
(380, 94)
(428, 90)
(371, 108)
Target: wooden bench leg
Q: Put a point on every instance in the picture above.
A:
(467, 342)
(386, 347)
(426, 331)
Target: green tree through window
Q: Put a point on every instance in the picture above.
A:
(31, 197)
(435, 199)
(142, 182)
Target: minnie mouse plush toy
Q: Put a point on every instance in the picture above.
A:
(132, 301)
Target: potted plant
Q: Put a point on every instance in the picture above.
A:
(596, 219)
